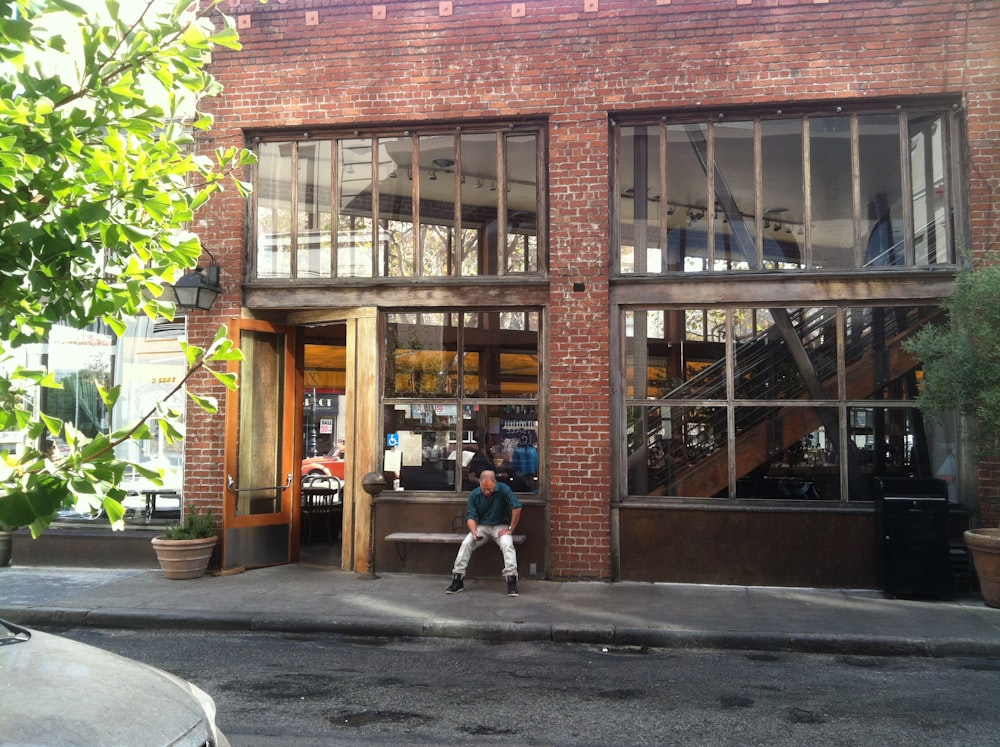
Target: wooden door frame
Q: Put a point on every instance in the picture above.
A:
(362, 422)
(291, 418)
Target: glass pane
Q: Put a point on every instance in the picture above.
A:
(941, 453)
(82, 360)
(782, 175)
(354, 231)
(928, 172)
(687, 190)
(669, 354)
(876, 366)
(522, 250)
(397, 252)
(735, 196)
(832, 210)
(513, 442)
(677, 451)
(274, 210)
(151, 355)
(785, 353)
(421, 358)
(893, 442)
(499, 438)
(787, 453)
(438, 242)
(522, 204)
(881, 190)
(313, 207)
(437, 205)
(429, 435)
(324, 425)
(470, 251)
(479, 203)
(639, 200)
(260, 434)
(500, 358)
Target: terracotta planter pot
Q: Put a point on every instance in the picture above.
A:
(985, 547)
(181, 559)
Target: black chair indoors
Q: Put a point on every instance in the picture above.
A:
(321, 504)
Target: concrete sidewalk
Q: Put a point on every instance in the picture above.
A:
(305, 598)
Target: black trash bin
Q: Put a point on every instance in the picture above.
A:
(916, 558)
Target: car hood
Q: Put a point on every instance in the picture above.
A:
(54, 691)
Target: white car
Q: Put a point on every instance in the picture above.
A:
(54, 691)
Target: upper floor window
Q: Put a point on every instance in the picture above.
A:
(827, 190)
(463, 202)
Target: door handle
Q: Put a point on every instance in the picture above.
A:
(232, 486)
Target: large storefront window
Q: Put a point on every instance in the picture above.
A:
(399, 205)
(461, 395)
(146, 363)
(830, 190)
(776, 403)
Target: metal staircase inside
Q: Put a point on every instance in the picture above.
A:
(793, 360)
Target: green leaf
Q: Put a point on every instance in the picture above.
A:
(230, 380)
(208, 404)
(115, 512)
(109, 396)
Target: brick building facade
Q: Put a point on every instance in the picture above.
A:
(662, 135)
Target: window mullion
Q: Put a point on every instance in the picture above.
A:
(665, 259)
(455, 256)
(859, 239)
(730, 402)
(807, 258)
(640, 201)
(710, 195)
(758, 196)
(845, 459)
(906, 182)
(501, 204)
(334, 207)
(293, 237)
(375, 232)
(418, 244)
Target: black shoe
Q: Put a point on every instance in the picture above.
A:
(512, 586)
(456, 585)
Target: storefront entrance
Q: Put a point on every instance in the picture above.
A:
(304, 411)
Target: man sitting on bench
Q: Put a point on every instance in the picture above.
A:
(493, 513)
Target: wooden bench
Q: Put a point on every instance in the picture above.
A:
(402, 539)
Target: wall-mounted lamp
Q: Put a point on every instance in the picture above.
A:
(198, 289)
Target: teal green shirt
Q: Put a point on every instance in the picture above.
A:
(495, 510)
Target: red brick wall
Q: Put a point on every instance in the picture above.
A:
(561, 61)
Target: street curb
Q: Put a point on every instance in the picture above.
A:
(596, 635)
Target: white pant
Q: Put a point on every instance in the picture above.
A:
(506, 544)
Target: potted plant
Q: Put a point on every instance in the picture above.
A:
(961, 360)
(185, 549)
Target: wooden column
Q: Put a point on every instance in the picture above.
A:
(363, 450)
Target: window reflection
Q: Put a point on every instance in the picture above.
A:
(463, 385)
(832, 212)
(411, 205)
(784, 425)
(274, 216)
(822, 191)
